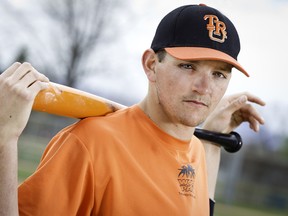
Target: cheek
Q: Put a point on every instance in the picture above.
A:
(165, 88)
(217, 95)
(168, 90)
(167, 82)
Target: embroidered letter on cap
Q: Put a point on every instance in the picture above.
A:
(216, 28)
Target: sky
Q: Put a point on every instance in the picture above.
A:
(262, 28)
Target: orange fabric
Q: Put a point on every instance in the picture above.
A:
(120, 164)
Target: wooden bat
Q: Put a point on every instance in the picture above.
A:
(70, 102)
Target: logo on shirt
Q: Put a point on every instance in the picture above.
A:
(186, 179)
(216, 28)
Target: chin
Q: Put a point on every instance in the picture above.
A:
(192, 122)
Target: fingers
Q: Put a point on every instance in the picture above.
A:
(27, 74)
(239, 100)
(250, 97)
(38, 86)
(242, 109)
(23, 80)
(30, 77)
(254, 99)
(253, 124)
(252, 116)
(9, 71)
(236, 103)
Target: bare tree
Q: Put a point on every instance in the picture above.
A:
(63, 43)
(79, 28)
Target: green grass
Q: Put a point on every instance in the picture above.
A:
(29, 154)
(232, 210)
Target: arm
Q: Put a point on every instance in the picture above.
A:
(19, 85)
(228, 115)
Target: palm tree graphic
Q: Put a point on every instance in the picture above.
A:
(187, 170)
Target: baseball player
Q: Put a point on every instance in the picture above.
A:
(144, 159)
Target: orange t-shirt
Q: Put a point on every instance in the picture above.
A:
(120, 164)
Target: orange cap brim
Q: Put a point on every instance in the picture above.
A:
(202, 53)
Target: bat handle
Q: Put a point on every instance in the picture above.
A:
(231, 142)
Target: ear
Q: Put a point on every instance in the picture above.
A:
(149, 59)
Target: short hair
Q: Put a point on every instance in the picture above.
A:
(161, 55)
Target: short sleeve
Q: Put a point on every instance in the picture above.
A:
(63, 182)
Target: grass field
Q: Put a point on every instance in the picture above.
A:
(232, 210)
(29, 160)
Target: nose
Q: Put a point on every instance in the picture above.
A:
(201, 84)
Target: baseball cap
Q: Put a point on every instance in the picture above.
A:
(198, 32)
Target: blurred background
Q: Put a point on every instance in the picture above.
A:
(96, 46)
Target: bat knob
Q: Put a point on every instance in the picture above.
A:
(235, 143)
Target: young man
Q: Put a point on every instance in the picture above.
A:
(142, 160)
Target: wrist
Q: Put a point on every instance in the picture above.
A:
(8, 139)
(211, 147)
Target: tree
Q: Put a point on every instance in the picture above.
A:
(21, 55)
(64, 44)
(79, 28)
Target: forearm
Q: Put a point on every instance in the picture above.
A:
(8, 178)
(213, 154)
(19, 85)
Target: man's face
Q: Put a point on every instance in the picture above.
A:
(188, 91)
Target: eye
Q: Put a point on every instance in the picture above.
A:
(219, 74)
(188, 66)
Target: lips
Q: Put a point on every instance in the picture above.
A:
(197, 102)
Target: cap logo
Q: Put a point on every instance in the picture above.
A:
(217, 29)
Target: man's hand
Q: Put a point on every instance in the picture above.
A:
(19, 85)
(229, 114)
(234, 110)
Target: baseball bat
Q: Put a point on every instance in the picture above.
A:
(70, 102)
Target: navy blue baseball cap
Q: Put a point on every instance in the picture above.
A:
(198, 32)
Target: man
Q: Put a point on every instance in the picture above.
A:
(143, 160)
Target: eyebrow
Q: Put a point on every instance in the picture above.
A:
(227, 67)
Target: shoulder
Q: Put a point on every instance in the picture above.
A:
(113, 120)
(101, 122)
(102, 127)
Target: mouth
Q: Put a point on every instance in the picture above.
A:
(196, 102)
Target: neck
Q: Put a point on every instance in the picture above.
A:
(158, 116)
